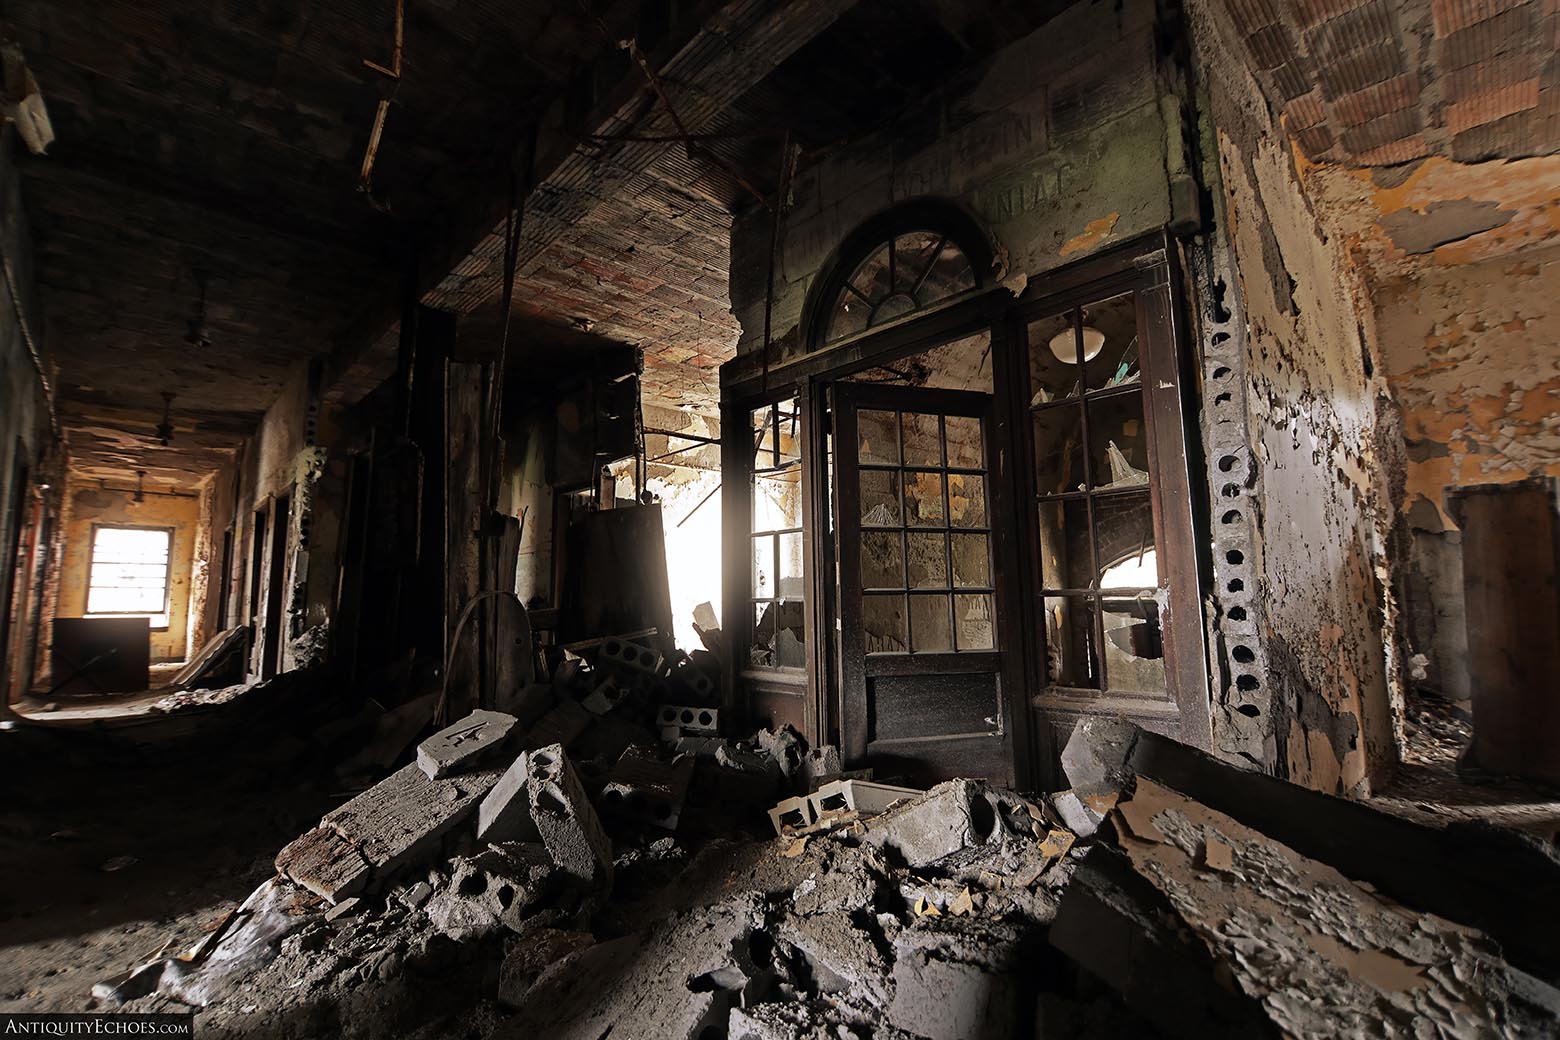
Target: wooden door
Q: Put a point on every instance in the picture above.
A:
(925, 693)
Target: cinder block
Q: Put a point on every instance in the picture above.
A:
(861, 796)
(464, 744)
(646, 788)
(621, 654)
(505, 814)
(607, 695)
(691, 720)
(791, 814)
(563, 816)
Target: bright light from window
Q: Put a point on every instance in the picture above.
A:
(1135, 572)
(129, 574)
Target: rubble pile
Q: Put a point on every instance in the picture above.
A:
(563, 870)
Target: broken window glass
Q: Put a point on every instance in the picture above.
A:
(1098, 559)
(909, 272)
(926, 536)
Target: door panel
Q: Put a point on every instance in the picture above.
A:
(924, 692)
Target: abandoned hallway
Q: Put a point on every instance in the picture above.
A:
(763, 519)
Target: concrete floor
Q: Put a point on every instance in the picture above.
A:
(112, 846)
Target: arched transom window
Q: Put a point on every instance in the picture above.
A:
(911, 270)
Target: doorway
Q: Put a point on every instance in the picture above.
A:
(980, 513)
(921, 661)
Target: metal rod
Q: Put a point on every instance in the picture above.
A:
(700, 506)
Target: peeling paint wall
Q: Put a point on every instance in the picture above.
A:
(1057, 145)
(1473, 355)
(92, 506)
(1323, 449)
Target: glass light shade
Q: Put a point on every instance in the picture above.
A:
(1066, 348)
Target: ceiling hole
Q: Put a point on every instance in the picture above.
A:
(1246, 683)
(1227, 463)
(1232, 517)
(1243, 654)
(1236, 585)
(1230, 491)
(1221, 372)
(1235, 556)
(1237, 613)
(1251, 711)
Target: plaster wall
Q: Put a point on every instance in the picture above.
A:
(1323, 451)
(1473, 356)
(1056, 145)
(93, 506)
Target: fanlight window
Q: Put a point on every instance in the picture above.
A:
(908, 272)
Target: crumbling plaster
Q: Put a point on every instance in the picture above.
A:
(1470, 351)
(1057, 145)
(1324, 453)
(1459, 259)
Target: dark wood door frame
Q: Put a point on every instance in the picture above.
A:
(1146, 265)
(993, 753)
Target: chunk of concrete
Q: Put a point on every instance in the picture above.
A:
(951, 816)
(563, 816)
(844, 958)
(531, 956)
(949, 999)
(1096, 753)
(1080, 815)
(464, 744)
(820, 765)
(786, 747)
(490, 891)
(505, 812)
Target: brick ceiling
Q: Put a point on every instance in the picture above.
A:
(646, 262)
(1383, 82)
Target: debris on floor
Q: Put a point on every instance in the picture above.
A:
(631, 882)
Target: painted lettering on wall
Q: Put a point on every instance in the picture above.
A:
(1037, 186)
(991, 142)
